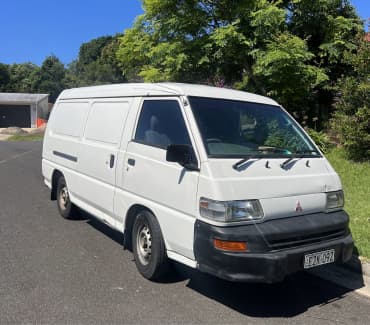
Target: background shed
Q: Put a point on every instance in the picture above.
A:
(22, 110)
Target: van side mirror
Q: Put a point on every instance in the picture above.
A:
(182, 154)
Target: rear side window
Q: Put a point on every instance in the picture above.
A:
(105, 122)
(161, 124)
(69, 118)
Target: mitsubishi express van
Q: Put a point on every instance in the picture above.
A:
(220, 180)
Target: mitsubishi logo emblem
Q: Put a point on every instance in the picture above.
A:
(298, 207)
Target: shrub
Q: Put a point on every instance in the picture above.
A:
(351, 119)
(320, 138)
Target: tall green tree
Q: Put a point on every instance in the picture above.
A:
(23, 77)
(330, 28)
(96, 63)
(290, 50)
(50, 78)
(4, 77)
(352, 116)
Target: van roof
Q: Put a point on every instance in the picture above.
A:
(162, 89)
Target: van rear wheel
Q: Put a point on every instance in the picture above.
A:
(148, 246)
(65, 207)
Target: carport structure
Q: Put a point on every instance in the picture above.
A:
(22, 110)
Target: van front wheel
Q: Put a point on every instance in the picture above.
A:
(65, 207)
(148, 246)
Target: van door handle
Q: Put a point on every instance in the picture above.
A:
(111, 161)
(131, 162)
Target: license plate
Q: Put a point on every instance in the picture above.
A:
(319, 258)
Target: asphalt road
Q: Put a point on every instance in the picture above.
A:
(58, 271)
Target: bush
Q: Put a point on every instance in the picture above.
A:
(320, 138)
(352, 117)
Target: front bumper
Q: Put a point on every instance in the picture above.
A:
(276, 248)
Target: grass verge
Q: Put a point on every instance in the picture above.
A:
(356, 185)
(26, 137)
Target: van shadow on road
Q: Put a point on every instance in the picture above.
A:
(295, 295)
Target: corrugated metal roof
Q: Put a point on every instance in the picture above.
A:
(14, 98)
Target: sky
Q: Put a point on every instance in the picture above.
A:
(30, 30)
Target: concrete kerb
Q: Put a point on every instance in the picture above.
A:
(4, 137)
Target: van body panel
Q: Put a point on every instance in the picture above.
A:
(47, 170)
(167, 185)
(98, 153)
(279, 190)
(62, 141)
(161, 89)
(177, 227)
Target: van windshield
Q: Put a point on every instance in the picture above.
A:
(235, 129)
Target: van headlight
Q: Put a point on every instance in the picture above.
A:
(230, 211)
(334, 200)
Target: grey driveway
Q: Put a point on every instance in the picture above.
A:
(58, 271)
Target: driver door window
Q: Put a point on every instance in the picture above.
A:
(161, 123)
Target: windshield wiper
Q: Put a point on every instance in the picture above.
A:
(247, 158)
(299, 155)
(286, 162)
(304, 152)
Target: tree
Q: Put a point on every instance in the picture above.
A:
(50, 78)
(22, 77)
(290, 50)
(330, 28)
(284, 67)
(4, 77)
(91, 51)
(96, 63)
(352, 116)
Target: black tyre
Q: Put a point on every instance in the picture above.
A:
(66, 208)
(148, 246)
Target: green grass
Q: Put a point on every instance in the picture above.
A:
(26, 137)
(356, 185)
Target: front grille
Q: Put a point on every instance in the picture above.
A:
(297, 241)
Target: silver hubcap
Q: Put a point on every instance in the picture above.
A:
(63, 198)
(144, 244)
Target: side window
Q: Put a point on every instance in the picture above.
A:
(161, 124)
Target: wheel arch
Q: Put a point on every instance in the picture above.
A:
(129, 223)
(54, 182)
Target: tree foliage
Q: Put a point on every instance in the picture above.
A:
(18, 77)
(96, 63)
(28, 77)
(50, 78)
(22, 77)
(290, 50)
(4, 77)
(352, 116)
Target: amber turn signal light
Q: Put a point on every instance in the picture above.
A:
(231, 246)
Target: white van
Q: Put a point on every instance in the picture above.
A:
(220, 180)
